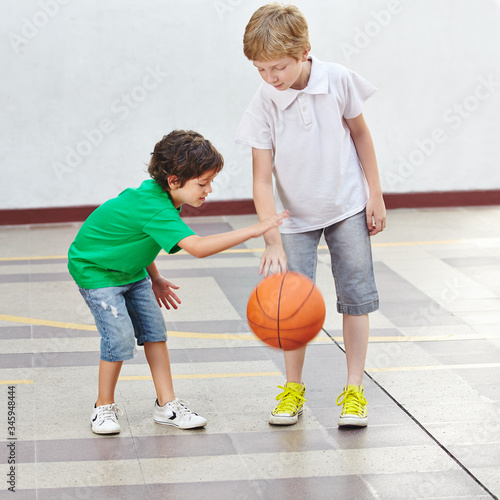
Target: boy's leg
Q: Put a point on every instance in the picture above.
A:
(117, 344)
(109, 372)
(159, 364)
(352, 267)
(168, 409)
(150, 331)
(356, 330)
(294, 363)
(302, 255)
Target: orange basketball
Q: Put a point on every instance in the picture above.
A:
(286, 310)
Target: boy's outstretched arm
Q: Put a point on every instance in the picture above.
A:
(263, 196)
(375, 208)
(204, 246)
(162, 288)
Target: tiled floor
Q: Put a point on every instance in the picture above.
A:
(432, 381)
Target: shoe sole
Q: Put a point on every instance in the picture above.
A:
(277, 420)
(353, 422)
(162, 422)
(104, 433)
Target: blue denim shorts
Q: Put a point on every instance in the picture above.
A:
(351, 258)
(124, 314)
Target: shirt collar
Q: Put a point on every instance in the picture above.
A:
(317, 84)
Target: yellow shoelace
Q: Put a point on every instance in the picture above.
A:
(291, 400)
(354, 402)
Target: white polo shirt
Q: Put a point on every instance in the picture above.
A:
(315, 164)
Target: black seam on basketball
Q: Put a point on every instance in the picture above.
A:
(303, 302)
(279, 307)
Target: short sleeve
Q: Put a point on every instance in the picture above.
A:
(254, 130)
(358, 90)
(167, 229)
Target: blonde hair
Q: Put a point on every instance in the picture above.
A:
(276, 31)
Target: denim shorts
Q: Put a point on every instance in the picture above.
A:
(351, 259)
(123, 314)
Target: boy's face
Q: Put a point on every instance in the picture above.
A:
(286, 72)
(194, 191)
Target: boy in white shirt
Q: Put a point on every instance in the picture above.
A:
(305, 127)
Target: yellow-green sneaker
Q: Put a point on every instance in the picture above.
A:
(354, 412)
(289, 408)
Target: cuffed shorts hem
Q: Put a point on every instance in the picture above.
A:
(351, 260)
(358, 310)
(115, 359)
(125, 315)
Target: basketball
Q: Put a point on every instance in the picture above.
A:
(286, 310)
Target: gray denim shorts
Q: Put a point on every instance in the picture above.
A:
(123, 315)
(351, 258)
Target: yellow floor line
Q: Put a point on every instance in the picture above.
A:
(250, 250)
(206, 375)
(15, 382)
(431, 368)
(175, 377)
(44, 322)
(232, 336)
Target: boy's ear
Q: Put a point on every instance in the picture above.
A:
(173, 182)
(305, 54)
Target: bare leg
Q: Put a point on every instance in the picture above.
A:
(109, 371)
(356, 330)
(159, 363)
(294, 362)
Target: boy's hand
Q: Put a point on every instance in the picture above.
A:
(274, 257)
(162, 289)
(375, 214)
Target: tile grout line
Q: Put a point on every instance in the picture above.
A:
(421, 426)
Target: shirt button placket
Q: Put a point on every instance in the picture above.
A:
(304, 108)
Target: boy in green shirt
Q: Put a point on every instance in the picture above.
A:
(112, 262)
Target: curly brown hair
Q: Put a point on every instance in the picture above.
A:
(185, 154)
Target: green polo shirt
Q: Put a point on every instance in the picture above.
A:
(124, 235)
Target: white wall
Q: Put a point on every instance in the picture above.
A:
(137, 70)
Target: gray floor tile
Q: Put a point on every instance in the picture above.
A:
(239, 455)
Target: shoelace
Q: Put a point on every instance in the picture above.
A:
(181, 408)
(109, 412)
(290, 400)
(353, 401)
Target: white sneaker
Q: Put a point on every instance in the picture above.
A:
(176, 413)
(104, 419)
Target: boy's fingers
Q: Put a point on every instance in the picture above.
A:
(284, 214)
(369, 222)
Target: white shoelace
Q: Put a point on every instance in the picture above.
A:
(109, 412)
(181, 408)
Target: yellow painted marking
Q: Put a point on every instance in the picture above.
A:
(230, 336)
(47, 257)
(206, 375)
(431, 368)
(218, 336)
(15, 382)
(44, 322)
(249, 250)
